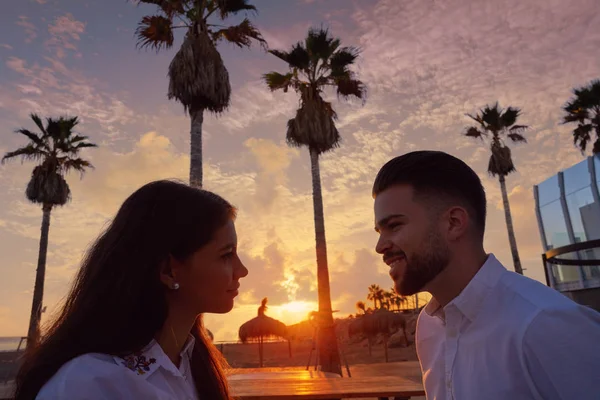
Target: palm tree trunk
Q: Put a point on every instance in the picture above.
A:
(197, 117)
(33, 334)
(509, 227)
(328, 349)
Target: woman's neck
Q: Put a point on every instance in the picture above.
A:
(173, 336)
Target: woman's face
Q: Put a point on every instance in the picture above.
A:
(209, 279)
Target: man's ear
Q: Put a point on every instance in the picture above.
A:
(169, 271)
(458, 222)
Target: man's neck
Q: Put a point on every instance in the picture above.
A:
(455, 277)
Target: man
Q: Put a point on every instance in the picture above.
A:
(487, 333)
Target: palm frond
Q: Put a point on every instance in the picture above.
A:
(38, 141)
(27, 153)
(38, 122)
(475, 133)
(491, 116)
(282, 55)
(518, 128)
(299, 57)
(343, 58)
(169, 7)
(156, 32)
(320, 45)
(229, 7)
(517, 138)
(509, 116)
(351, 87)
(77, 164)
(476, 118)
(582, 135)
(241, 35)
(276, 81)
(596, 148)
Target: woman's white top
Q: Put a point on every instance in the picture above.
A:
(149, 374)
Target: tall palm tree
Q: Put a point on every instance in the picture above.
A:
(198, 78)
(498, 125)
(55, 149)
(584, 110)
(315, 64)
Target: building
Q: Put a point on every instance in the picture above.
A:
(568, 214)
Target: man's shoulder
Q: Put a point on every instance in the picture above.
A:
(531, 294)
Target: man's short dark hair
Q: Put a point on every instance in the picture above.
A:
(439, 176)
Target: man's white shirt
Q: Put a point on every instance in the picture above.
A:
(509, 337)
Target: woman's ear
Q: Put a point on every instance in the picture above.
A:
(168, 273)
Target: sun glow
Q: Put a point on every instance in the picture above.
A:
(292, 312)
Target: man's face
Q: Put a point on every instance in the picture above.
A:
(410, 239)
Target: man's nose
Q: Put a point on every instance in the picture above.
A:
(383, 245)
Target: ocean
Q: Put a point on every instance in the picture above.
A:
(10, 343)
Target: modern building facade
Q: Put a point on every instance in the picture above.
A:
(568, 212)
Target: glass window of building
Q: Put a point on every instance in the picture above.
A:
(577, 177)
(555, 229)
(549, 191)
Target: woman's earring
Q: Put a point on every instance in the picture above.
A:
(175, 286)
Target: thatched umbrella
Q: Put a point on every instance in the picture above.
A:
(261, 327)
(382, 322)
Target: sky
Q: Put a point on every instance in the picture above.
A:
(426, 64)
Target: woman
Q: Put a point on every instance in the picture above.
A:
(131, 326)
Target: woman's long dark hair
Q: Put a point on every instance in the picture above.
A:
(117, 303)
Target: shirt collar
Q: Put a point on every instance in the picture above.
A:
(470, 300)
(152, 357)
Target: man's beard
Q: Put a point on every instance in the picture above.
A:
(424, 265)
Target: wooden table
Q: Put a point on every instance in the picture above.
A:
(314, 385)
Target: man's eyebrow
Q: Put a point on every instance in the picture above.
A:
(386, 220)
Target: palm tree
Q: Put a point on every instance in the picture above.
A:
(360, 306)
(198, 78)
(374, 294)
(498, 125)
(55, 148)
(315, 64)
(584, 109)
(387, 299)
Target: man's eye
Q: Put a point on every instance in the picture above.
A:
(227, 256)
(394, 226)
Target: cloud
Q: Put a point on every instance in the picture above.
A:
(30, 29)
(64, 33)
(273, 161)
(6, 46)
(41, 1)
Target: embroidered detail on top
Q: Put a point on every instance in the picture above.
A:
(138, 363)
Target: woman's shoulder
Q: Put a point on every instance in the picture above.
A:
(93, 376)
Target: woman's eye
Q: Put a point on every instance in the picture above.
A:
(227, 256)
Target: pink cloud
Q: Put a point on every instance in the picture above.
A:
(64, 32)
(30, 29)
(6, 46)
